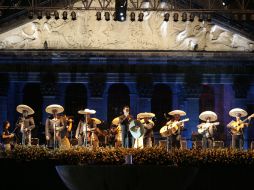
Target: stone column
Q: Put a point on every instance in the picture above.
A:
(191, 107)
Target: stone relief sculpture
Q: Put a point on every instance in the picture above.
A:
(151, 34)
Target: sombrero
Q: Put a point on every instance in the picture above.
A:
(97, 121)
(20, 108)
(145, 114)
(177, 112)
(51, 108)
(234, 112)
(204, 115)
(116, 121)
(86, 111)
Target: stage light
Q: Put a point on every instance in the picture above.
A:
(244, 17)
(200, 17)
(73, 15)
(236, 17)
(56, 15)
(226, 2)
(192, 16)
(65, 14)
(47, 15)
(121, 9)
(252, 17)
(98, 16)
(107, 16)
(140, 17)
(132, 16)
(39, 15)
(209, 17)
(175, 16)
(184, 17)
(30, 14)
(166, 17)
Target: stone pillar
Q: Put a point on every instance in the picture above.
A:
(4, 85)
(97, 99)
(191, 107)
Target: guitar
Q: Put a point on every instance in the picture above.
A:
(206, 126)
(171, 128)
(236, 126)
(175, 125)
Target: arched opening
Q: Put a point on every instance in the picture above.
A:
(33, 98)
(161, 104)
(118, 97)
(75, 100)
(206, 99)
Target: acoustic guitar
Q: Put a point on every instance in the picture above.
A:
(171, 128)
(236, 126)
(206, 126)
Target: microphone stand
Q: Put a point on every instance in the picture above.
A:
(86, 132)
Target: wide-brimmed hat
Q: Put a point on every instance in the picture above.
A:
(116, 121)
(177, 112)
(21, 108)
(208, 114)
(51, 108)
(145, 115)
(236, 111)
(86, 111)
(97, 121)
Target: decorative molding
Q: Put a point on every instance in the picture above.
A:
(151, 34)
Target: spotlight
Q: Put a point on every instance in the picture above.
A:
(107, 16)
(209, 17)
(98, 16)
(192, 16)
(252, 17)
(39, 15)
(166, 17)
(236, 17)
(244, 17)
(30, 14)
(47, 15)
(175, 16)
(121, 9)
(140, 17)
(132, 16)
(226, 2)
(184, 17)
(65, 14)
(56, 15)
(200, 18)
(73, 15)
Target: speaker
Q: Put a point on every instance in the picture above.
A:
(34, 141)
(183, 144)
(197, 145)
(218, 144)
(163, 143)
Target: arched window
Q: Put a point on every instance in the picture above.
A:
(206, 100)
(75, 100)
(33, 98)
(118, 97)
(161, 103)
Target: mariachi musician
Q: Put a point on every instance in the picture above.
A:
(54, 125)
(177, 126)
(124, 120)
(207, 128)
(236, 126)
(146, 120)
(68, 123)
(25, 123)
(85, 132)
